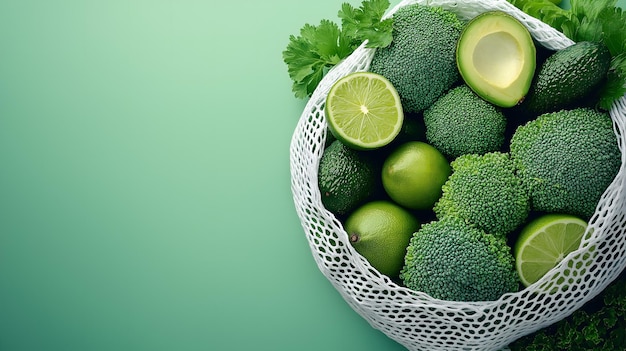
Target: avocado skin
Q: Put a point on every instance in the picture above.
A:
(346, 178)
(567, 76)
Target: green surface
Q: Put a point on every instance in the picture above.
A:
(145, 198)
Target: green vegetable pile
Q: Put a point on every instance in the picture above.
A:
(508, 164)
(318, 48)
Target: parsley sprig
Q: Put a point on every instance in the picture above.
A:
(318, 48)
(589, 20)
(599, 325)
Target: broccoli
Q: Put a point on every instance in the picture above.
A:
(460, 122)
(420, 62)
(566, 159)
(450, 260)
(484, 191)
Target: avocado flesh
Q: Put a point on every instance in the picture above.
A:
(496, 57)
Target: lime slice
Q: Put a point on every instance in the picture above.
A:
(363, 110)
(544, 242)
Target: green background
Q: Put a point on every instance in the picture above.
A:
(145, 198)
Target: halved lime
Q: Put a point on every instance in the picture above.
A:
(363, 110)
(544, 242)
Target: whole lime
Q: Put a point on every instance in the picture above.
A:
(413, 174)
(380, 231)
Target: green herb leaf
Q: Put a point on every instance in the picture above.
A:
(588, 14)
(366, 22)
(614, 26)
(547, 12)
(615, 86)
(599, 325)
(311, 54)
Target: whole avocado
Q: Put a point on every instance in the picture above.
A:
(347, 177)
(567, 76)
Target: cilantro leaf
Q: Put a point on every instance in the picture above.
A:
(587, 13)
(547, 12)
(614, 26)
(615, 86)
(367, 23)
(309, 55)
(599, 325)
(613, 21)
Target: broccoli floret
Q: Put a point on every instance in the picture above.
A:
(420, 62)
(450, 260)
(484, 191)
(567, 159)
(460, 122)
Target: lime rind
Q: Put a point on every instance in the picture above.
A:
(363, 110)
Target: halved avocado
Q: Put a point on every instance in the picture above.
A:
(496, 57)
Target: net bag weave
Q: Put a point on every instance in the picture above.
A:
(414, 319)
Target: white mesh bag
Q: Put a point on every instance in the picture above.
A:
(414, 319)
